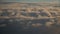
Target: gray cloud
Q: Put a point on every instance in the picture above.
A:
(29, 0)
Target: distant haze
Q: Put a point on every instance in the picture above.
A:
(29, 0)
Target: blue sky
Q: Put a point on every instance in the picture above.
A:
(29, 0)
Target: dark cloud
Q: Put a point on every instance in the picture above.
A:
(0, 0)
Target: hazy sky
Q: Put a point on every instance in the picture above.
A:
(29, 0)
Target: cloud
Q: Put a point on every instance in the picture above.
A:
(28, 0)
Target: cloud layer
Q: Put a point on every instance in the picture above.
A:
(28, 0)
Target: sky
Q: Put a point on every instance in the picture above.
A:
(29, 0)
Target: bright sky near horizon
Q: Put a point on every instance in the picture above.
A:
(29, 0)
